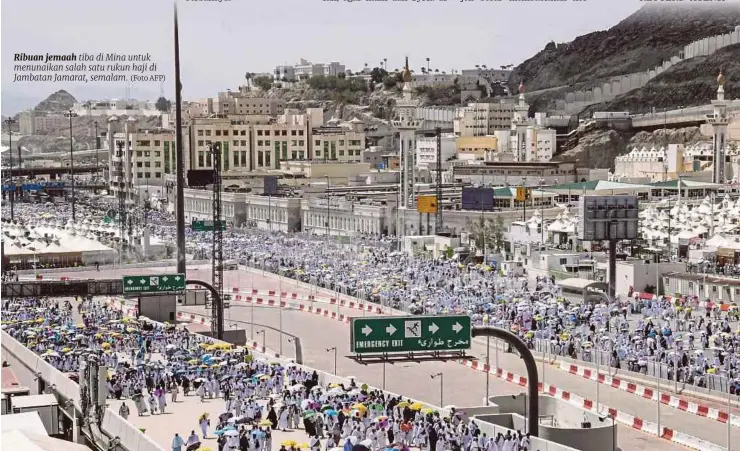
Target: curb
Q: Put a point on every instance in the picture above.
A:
(676, 402)
(587, 404)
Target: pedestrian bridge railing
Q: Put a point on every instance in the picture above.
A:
(29, 367)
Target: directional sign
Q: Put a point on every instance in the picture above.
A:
(153, 284)
(410, 334)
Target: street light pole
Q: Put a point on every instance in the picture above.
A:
(488, 369)
(97, 149)
(441, 387)
(11, 194)
(334, 349)
(264, 344)
(72, 164)
(328, 210)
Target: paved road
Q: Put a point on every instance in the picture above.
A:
(318, 333)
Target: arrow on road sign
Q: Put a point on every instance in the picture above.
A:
(142, 281)
(164, 279)
(177, 278)
(390, 329)
(130, 281)
(366, 330)
(433, 328)
(457, 327)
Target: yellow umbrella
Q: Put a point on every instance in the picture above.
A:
(98, 335)
(288, 443)
(303, 445)
(360, 406)
(265, 423)
(403, 404)
(81, 325)
(66, 349)
(216, 365)
(193, 362)
(416, 406)
(106, 345)
(204, 366)
(427, 411)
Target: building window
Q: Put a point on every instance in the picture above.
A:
(292, 133)
(208, 133)
(157, 164)
(341, 142)
(317, 142)
(218, 132)
(259, 143)
(236, 142)
(157, 153)
(285, 133)
(138, 154)
(244, 142)
(158, 175)
(294, 143)
(200, 132)
(259, 132)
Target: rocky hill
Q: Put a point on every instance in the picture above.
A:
(690, 83)
(640, 42)
(59, 102)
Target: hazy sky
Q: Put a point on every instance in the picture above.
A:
(220, 41)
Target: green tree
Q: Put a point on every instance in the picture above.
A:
(487, 234)
(378, 74)
(263, 82)
(163, 105)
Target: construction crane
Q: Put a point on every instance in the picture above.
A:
(217, 254)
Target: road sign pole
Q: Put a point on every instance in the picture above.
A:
(488, 369)
(384, 374)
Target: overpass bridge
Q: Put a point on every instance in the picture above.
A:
(53, 171)
(101, 154)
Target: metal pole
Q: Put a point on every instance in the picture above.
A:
(335, 361)
(488, 369)
(729, 417)
(11, 194)
(179, 160)
(660, 433)
(97, 149)
(596, 354)
(384, 374)
(71, 165)
(441, 390)
(328, 212)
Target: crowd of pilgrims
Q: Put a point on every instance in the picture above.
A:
(630, 331)
(150, 365)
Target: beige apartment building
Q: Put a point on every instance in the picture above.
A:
(252, 142)
(139, 159)
(483, 119)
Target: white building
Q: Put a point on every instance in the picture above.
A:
(304, 70)
(529, 141)
(199, 206)
(274, 213)
(483, 119)
(115, 107)
(432, 79)
(426, 151)
(656, 164)
(339, 217)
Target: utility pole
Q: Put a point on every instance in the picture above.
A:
(179, 160)
(217, 254)
(438, 219)
(97, 149)
(72, 164)
(11, 194)
(121, 197)
(328, 210)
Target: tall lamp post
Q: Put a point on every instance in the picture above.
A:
(441, 387)
(328, 210)
(11, 194)
(71, 114)
(97, 149)
(334, 349)
(264, 344)
(542, 214)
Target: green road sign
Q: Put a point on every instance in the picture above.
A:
(206, 226)
(153, 284)
(410, 334)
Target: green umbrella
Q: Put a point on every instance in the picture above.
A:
(376, 407)
(325, 407)
(309, 414)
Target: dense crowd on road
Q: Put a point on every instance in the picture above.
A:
(633, 333)
(151, 365)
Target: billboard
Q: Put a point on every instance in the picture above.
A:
(607, 218)
(200, 177)
(426, 204)
(477, 199)
(270, 185)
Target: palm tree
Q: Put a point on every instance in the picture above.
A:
(427, 63)
(436, 70)
(385, 63)
(248, 76)
(477, 66)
